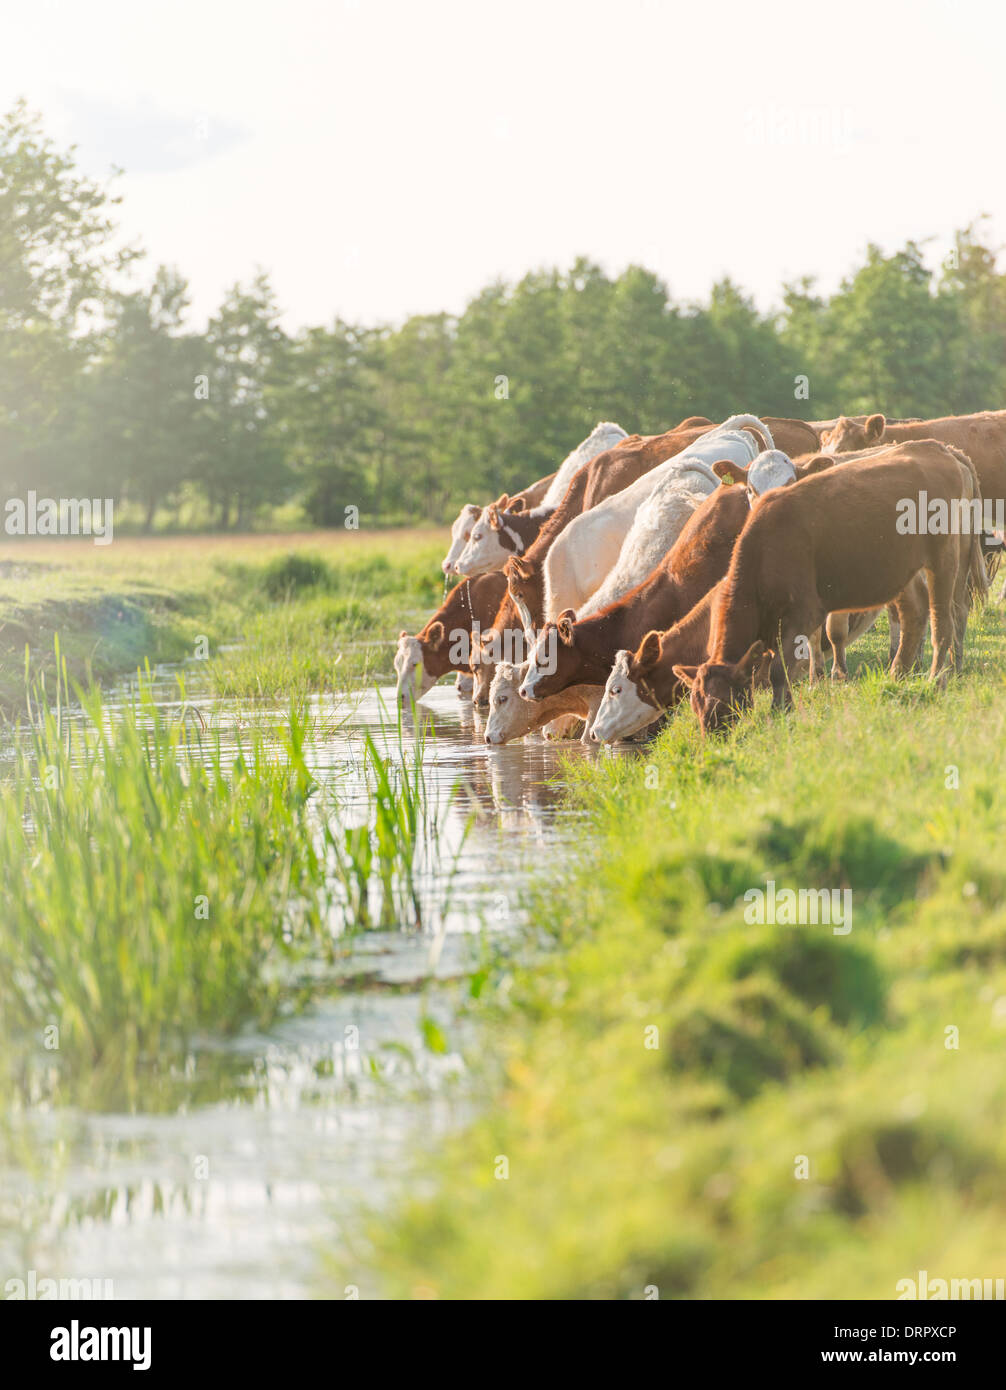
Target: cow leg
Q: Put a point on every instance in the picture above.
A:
(911, 610)
(962, 600)
(793, 659)
(818, 668)
(838, 636)
(895, 637)
(942, 580)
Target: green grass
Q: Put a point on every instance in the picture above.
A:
(675, 1158)
(156, 882)
(320, 625)
(294, 614)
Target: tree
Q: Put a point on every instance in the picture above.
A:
(893, 339)
(56, 260)
(140, 408)
(330, 418)
(244, 467)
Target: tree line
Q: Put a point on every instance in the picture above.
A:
(105, 391)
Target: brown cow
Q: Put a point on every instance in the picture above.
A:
(981, 436)
(445, 643)
(836, 544)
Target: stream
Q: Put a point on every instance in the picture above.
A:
(253, 1157)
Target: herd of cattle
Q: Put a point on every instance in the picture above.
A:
(709, 561)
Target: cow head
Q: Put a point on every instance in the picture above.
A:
(491, 542)
(508, 713)
(552, 663)
(629, 702)
(720, 691)
(771, 469)
(410, 665)
(461, 531)
(847, 435)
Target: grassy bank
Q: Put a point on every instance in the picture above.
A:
(689, 1102)
(217, 870)
(302, 606)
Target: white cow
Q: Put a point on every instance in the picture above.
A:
(584, 553)
(656, 526)
(605, 435)
(485, 549)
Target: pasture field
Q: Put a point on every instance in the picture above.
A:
(692, 1103)
(667, 1096)
(151, 599)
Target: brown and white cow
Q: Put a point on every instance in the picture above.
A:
(545, 494)
(445, 643)
(853, 541)
(510, 717)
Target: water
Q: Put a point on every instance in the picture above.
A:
(255, 1156)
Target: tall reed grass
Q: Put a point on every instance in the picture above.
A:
(162, 879)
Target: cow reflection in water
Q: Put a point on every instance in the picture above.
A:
(515, 786)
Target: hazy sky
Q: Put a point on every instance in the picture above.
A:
(381, 158)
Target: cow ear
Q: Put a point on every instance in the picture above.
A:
(502, 502)
(515, 569)
(874, 427)
(435, 635)
(649, 652)
(686, 674)
(750, 659)
(517, 505)
(493, 517)
(816, 465)
(402, 634)
(729, 472)
(564, 624)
